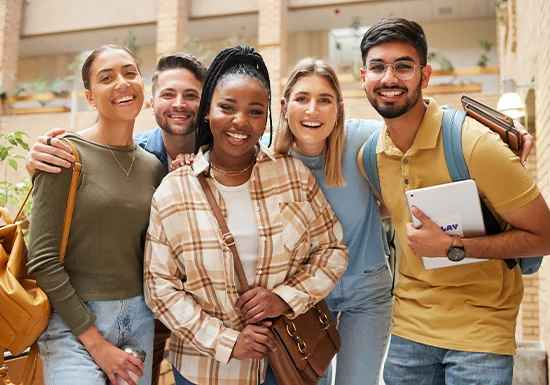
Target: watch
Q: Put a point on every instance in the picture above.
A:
(456, 252)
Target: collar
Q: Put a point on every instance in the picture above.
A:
(426, 136)
(154, 143)
(202, 160)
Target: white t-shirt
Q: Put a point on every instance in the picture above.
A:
(241, 220)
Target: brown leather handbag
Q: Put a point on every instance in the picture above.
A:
(305, 344)
(24, 307)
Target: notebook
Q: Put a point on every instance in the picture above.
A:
(456, 208)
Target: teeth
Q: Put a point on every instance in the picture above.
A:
(124, 99)
(179, 116)
(237, 136)
(391, 94)
(312, 124)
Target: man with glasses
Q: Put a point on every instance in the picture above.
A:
(453, 325)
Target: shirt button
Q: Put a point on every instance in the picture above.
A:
(406, 181)
(264, 239)
(405, 161)
(259, 272)
(257, 208)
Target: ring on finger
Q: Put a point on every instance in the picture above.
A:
(49, 140)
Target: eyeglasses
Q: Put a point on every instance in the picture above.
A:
(402, 69)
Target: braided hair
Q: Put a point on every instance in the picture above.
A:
(239, 60)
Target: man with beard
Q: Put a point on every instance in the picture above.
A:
(176, 90)
(451, 325)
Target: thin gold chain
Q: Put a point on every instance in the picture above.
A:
(233, 173)
(114, 156)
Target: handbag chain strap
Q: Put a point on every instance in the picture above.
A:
(228, 238)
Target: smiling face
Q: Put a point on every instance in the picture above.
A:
(389, 96)
(312, 112)
(238, 114)
(116, 87)
(176, 101)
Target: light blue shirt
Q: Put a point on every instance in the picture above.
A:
(354, 205)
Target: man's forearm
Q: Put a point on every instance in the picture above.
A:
(513, 243)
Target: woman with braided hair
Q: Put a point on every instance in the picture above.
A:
(288, 238)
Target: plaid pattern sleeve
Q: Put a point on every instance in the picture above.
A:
(189, 272)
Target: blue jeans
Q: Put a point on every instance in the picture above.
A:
(364, 304)
(67, 362)
(180, 380)
(409, 362)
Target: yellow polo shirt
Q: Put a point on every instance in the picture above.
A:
(469, 307)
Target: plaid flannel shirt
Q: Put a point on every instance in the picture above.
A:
(189, 271)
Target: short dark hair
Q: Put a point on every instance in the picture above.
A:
(395, 29)
(176, 61)
(239, 60)
(87, 66)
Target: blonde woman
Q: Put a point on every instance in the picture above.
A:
(313, 129)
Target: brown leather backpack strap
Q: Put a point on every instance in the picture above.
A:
(228, 238)
(28, 373)
(77, 167)
(23, 205)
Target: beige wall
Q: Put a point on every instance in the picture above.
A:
(313, 43)
(73, 15)
(524, 51)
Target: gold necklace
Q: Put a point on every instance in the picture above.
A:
(233, 173)
(114, 156)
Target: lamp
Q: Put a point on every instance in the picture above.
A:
(510, 103)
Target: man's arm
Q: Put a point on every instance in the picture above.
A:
(513, 194)
(529, 237)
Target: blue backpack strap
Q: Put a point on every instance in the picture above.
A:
(369, 162)
(451, 129)
(458, 170)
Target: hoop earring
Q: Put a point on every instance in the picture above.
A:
(206, 119)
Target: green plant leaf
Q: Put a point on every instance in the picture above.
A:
(13, 164)
(20, 134)
(22, 143)
(4, 153)
(11, 138)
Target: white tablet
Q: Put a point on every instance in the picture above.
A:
(453, 206)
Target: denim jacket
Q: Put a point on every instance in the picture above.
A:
(151, 141)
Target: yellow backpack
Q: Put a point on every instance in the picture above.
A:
(24, 307)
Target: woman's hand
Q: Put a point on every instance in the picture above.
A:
(259, 303)
(109, 358)
(182, 160)
(253, 342)
(49, 154)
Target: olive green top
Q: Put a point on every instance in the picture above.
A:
(104, 258)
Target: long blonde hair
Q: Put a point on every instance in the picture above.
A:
(334, 150)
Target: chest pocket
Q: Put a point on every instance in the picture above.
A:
(295, 218)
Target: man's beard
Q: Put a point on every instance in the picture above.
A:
(178, 132)
(391, 110)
